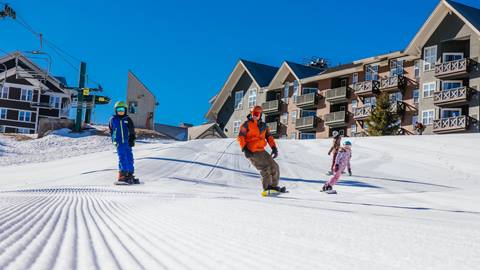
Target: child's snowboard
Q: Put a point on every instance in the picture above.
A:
(331, 191)
(123, 183)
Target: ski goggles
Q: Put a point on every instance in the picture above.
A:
(257, 113)
(120, 109)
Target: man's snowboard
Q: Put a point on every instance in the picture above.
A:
(273, 193)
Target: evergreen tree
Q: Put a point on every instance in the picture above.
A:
(383, 120)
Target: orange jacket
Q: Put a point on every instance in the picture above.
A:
(255, 135)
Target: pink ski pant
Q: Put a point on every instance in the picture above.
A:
(337, 174)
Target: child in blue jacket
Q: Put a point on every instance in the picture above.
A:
(123, 138)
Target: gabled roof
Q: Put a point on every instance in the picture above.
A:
(299, 71)
(302, 71)
(136, 80)
(27, 63)
(197, 131)
(469, 15)
(260, 74)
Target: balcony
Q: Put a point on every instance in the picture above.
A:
(306, 123)
(393, 83)
(362, 113)
(336, 119)
(336, 95)
(272, 107)
(307, 101)
(273, 127)
(366, 88)
(451, 124)
(451, 97)
(453, 69)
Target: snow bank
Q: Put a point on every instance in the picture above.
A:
(58, 144)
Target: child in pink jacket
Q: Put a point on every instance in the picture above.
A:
(341, 163)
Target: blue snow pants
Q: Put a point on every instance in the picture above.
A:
(125, 158)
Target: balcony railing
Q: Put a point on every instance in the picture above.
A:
(45, 105)
(456, 96)
(393, 83)
(398, 107)
(451, 124)
(453, 68)
(336, 95)
(307, 100)
(336, 119)
(362, 113)
(309, 122)
(366, 88)
(272, 106)
(273, 127)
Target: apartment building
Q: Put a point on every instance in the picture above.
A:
(245, 87)
(435, 80)
(28, 93)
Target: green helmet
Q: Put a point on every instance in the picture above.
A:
(119, 104)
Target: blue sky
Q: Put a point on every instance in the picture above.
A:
(184, 50)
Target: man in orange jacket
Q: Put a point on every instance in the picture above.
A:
(253, 137)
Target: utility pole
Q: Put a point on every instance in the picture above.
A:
(81, 86)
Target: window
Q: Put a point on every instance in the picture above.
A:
(353, 128)
(429, 58)
(309, 90)
(293, 115)
(428, 89)
(355, 78)
(252, 98)
(414, 120)
(370, 101)
(396, 67)
(427, 117)
(4, 92)
(307, 136)
(27, 95)
(295, 90)
(447, 85)
(371, 72)
(397, 96)
(447, 113)
(132, 106)
(448, 57)
(55, 102)
(236, 127)
(307, 113)
(293, 136)
(238, 100)
(3, 113)
(416, 68)
(24, 116)
(23, 130)
(286, 92)
(354, 103)
(2, 129)
(416, 96)
(284, 118)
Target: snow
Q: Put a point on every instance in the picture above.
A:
(57, 145)
(411, 204)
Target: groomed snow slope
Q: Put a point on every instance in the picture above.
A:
(413, 203)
